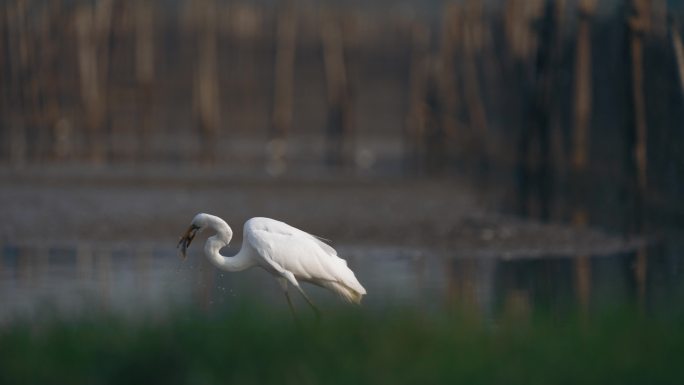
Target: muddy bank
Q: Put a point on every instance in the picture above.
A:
(131, 205)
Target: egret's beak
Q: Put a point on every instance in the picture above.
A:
(186, 239)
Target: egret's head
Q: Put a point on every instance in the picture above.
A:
(199, 222)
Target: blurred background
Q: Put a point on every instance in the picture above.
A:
(505, 155)
(562, 103)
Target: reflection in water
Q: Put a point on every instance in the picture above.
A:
(640, 275)
(583, 281)
(149, 279)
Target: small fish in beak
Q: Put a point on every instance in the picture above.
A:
(186, 239)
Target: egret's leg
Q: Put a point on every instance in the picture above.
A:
(291, 278)
(289, 304)
(283, 285)
(308, 300)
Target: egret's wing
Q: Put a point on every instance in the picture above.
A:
(284, 247)
(320, 242)
(326, 240)
(300, 256)
(282, 228)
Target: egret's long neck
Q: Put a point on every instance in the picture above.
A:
(214, 244)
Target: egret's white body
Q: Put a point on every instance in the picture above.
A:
(289, 254)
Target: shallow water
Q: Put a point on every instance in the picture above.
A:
(150, 278)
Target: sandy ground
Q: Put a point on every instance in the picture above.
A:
(58, 205)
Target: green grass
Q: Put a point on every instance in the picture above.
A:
(254, 346)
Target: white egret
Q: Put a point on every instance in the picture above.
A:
(289, 254)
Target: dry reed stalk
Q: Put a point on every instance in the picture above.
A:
(284, 78)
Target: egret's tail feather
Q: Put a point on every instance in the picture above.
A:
(348, 294)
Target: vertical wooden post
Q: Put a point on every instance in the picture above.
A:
(543, 107)
(435, 135)
(639, 23)
(583, 88)
(93, 29)
(37, 133)
(337, 87)
(63, 143)
(6, 80)
(286, 45)
(206, 89)
(19, 63)
(523, 43)
(582, 104)
(52, 34)
(678, 48)
(144, 71)
(106, 17)
(88, 76)
(9, 81)
(247, 33)
(29, 81)
(451, 22)
(4, 84)
(473, 29)
(580, 142)
(415, 119)
(560, 155)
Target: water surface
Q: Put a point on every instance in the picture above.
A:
(149, 279)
